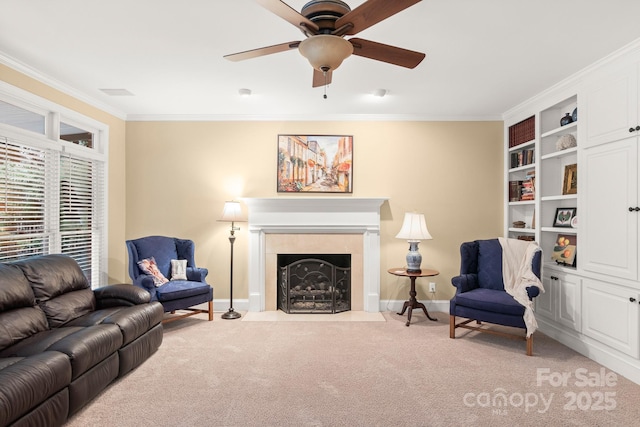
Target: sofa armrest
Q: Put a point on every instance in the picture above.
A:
(465, 282)
(120, 295)
(533, 291)
(145, 281)
(197, 274)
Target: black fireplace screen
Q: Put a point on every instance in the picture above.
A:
(314, 285)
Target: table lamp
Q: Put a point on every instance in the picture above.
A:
(414, 229)
(231, 213)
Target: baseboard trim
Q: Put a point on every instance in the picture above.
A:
(620, 363)
(385, 305)
(432, 305)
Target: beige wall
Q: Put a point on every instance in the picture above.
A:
(117, 189)
(179, 174)
(172, 178)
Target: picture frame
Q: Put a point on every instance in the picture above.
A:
(570, 183)
(564, 216)
(315, 163)
(564, 250)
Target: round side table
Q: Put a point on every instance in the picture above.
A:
(413, 302)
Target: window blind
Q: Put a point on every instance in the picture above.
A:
(23, 187)
(81, 221)
(51, 202)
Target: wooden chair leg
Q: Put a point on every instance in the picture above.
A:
(452, 326)
(530, 345)
(210, 311)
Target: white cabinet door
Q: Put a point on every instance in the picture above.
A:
(569, 307)
(610, 315)
(544, 301)
(608, 229)
(611, 107)
(561, 300)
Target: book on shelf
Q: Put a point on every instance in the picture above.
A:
(522, 132)
(527, 192)
(515, 191)
(529, 186)
(522, 190)
(522, 158)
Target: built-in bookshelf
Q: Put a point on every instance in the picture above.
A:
(541, 174)
(558, 145)
(521, 179)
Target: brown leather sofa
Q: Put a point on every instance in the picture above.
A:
(61, 343)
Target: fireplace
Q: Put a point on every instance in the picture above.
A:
(314, 283)
(322, 225)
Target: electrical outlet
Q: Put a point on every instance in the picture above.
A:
(432, 287)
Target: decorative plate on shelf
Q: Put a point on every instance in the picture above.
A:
(574, 222)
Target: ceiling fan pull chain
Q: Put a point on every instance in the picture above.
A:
(324, 73)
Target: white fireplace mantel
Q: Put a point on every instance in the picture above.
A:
(323, 215)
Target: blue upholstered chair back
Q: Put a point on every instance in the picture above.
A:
(484, 258)
(163, 249)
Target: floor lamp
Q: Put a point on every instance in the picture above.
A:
(231, 213)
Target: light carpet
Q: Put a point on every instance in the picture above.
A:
(281, 316)
(274, 373)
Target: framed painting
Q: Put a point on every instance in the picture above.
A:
(563, 217)
(315, 164)
(570, 184)
(564, 250)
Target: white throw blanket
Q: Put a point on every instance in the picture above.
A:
(517, 275)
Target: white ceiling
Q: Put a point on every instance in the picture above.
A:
(483, 56)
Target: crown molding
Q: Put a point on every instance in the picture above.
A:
(57, 85)
(573, 80)
(309, 118)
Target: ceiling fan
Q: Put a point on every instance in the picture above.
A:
(325, 23)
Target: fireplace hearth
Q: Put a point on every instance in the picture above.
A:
(314, 283)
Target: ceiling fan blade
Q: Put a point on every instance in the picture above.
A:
(319, 78)
(268, 50)
(371, 12)
(385, 53)
(289, 14)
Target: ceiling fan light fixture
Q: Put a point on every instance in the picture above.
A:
(325, 52)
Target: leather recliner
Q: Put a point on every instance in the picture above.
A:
(61, 343)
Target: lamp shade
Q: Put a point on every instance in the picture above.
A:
(325, 52)
(414, 228)
(232, 212)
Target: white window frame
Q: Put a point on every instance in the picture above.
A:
(54, 113)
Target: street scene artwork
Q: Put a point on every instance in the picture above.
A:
(315, 163)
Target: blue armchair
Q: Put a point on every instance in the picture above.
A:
(480, 292)
(175, 294)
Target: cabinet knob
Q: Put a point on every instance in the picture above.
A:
(631, 130)
(632, 209)
(637, 127)
(632, 299)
